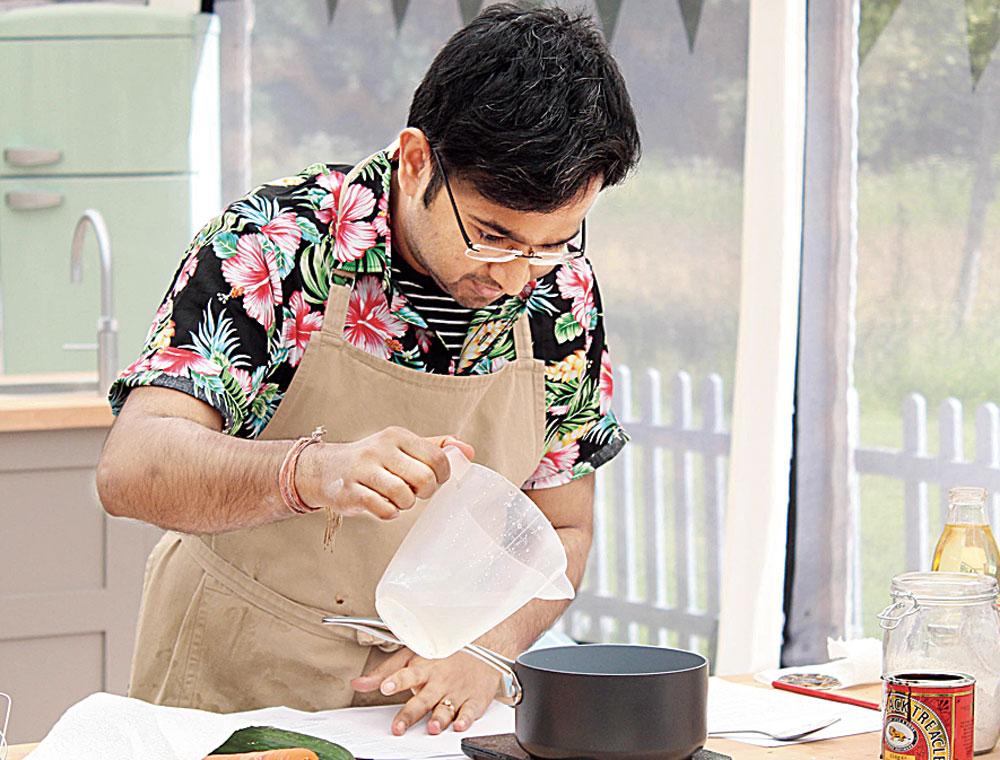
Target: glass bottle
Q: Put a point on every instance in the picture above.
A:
(967, 544)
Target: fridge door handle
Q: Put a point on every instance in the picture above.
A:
(27, 157)
(33, 201)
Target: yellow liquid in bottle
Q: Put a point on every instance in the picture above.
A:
(967, 549)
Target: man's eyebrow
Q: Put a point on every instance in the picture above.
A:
(504, 232)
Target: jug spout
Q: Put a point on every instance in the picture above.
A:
(558, 588)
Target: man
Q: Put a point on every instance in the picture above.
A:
(435, 293)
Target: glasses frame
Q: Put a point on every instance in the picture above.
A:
(488, 253)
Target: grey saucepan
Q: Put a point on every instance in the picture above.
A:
(600, 701)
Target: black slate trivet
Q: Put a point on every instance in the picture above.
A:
(505, 747)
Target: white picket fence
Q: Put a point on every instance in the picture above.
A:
(655, 565)
(948, 467)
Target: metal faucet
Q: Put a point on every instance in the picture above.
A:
(107, 325)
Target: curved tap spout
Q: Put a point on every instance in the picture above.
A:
(107, 325)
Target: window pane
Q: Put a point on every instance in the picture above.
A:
(928, 283)
(336, 90)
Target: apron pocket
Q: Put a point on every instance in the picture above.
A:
(243, 657)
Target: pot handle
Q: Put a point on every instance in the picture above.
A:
(504, 665)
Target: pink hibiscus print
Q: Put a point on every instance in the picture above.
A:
(181, 362)
(576, 281)
(344, 209)
(186, 271)
(556, 467)
(370, 324)
(283, 231)
(244, 379)
(296, 330)
(253, 273)
(381, 220)
(607, 383)
(424, 338)
(331, 182)
(142, 364)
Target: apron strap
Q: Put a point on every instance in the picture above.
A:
(337, 301)
(523, 347)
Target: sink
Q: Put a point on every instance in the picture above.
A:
(27, 385)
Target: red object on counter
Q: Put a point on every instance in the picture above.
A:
(826, 695)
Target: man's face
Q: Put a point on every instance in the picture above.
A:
(432, 242)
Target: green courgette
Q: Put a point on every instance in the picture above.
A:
(258, 738)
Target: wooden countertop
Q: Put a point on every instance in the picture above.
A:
(52, 411)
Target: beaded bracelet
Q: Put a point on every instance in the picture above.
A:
(286, 475)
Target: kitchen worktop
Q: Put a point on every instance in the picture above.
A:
(52, 411)
(858, 747)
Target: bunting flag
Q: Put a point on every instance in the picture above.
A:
(691, 13)
(399, 12)
(469, 9)
(331, 6)
(982, 24)
(607, 14)
(875, 14)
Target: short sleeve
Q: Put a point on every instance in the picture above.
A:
(581, 431)
(236, 317)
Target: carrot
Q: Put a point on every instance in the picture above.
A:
(292, 753)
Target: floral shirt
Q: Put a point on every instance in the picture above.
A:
(236, 320)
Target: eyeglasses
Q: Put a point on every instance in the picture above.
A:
(480, 252)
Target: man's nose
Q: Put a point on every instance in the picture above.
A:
(512, 276)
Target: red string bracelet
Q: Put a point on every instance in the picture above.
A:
(286, 475)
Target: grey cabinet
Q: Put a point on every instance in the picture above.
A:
(70, 578)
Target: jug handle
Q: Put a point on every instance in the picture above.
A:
(459, 464)
(505, 666)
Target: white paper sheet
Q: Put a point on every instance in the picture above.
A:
(365, 731)
(110, 727)
(733, 705)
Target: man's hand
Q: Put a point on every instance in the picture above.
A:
(453, 689)
(382, 474)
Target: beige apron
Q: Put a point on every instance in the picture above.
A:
(232, 621)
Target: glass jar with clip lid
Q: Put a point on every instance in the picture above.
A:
(947, 622)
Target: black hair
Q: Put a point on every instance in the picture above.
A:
(530, 106)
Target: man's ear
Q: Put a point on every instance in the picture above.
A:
(415, 162)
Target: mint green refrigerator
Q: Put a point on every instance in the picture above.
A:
(110, 107)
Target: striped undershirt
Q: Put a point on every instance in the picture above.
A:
(442, 313)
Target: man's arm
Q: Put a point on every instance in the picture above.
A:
(466, 682)
(167, 462)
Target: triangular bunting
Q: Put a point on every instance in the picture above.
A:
(607, 13)
(331, 7)
(875, 14)
(469, 9)
(691, 13)
(399, 12)
(982, 23)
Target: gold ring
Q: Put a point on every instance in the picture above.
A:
(448, 703)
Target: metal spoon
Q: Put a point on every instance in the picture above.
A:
(787, 735)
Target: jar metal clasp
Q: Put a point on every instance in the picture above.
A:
(890, 618)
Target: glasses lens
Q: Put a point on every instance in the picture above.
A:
(485, 253)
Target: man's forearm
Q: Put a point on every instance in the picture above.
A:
(167, 462)
(181, 475)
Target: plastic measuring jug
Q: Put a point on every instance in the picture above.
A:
(480, 550)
